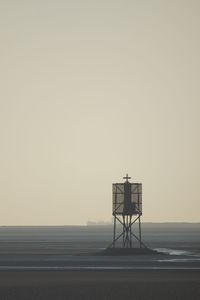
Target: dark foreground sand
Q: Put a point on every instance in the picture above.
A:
(140, 285)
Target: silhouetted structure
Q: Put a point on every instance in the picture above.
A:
(127, 210)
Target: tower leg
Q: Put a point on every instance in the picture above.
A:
(130, 231)
(127, 232)
(114, 232)
(124, 231)
(140, 235)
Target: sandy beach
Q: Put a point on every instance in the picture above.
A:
(118, 285)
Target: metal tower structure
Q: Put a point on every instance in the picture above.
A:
(127, 211)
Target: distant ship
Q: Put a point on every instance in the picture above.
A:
(98, 223)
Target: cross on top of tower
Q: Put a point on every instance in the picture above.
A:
(127, 177)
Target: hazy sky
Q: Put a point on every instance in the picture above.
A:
(91, 90)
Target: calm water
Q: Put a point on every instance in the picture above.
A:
(75, 239)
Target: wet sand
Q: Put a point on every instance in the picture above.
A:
(118, 285)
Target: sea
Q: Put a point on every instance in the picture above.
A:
(66, 262)
(174, 238)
